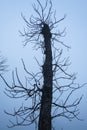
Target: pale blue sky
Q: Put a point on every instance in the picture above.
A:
(11, 48)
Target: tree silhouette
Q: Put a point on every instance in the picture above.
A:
(3, 66)
(49, 91)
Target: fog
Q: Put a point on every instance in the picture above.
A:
(11, 47)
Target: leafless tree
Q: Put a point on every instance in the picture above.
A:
(48, 92)
(3, 66)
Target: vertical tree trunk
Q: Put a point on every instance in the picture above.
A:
(46, 101)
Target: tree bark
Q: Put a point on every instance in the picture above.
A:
(46, 100)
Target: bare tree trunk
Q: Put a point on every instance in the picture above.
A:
(46, 101)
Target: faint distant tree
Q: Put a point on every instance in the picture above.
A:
(48, 92)
(3, 65)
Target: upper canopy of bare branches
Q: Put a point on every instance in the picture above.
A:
(44, 20)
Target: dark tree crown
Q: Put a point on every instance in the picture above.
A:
(46, 31)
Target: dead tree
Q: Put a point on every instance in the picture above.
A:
(49, 91)
(3, 66)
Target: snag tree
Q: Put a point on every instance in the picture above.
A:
(49, 91)
(3, 66)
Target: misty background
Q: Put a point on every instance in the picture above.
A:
(11, 47)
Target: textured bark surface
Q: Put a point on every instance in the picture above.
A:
(46, 101)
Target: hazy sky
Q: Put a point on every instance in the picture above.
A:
(11, 46)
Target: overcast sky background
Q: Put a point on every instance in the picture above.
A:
(11, 47)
